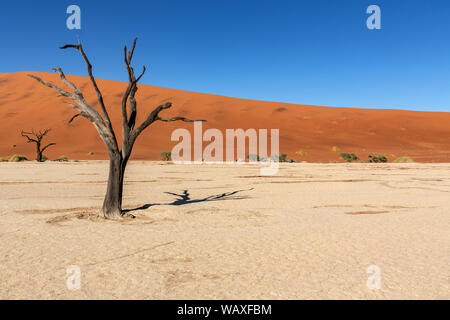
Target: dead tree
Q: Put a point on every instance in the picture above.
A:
(36, 137)
(118, 156)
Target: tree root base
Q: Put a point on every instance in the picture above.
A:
(121, 216)
(128, 216)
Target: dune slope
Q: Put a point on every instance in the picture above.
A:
(26, 104)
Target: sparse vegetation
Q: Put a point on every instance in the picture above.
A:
(275, 157)
(404, 159)
(62, 159)
(17, 158)
(253, 158)
(283, 158)
(91, 153)
(377, 159)
(336, 149)
(301, 153)
(349, 157)
(166, 156)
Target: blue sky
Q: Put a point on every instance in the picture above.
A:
(305, 51)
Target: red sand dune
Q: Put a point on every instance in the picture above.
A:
(26, 104)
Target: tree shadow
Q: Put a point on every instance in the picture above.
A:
(185, 198)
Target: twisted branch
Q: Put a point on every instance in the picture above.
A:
(79, 47)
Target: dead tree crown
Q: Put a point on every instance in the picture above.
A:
(118, 155)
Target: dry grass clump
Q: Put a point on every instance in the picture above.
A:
(403, 160)
(14, 158)
(62, 159)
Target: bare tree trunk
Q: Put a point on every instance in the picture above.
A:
(38, 152)
(112, 205)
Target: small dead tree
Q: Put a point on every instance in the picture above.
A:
(36, 137)
(118, 156)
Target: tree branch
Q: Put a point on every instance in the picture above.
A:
(132, 100)
(177, 119)
(50, 85)
(86, 110)
(44, 133)
(77, 96)
(150, 119)
(130, 92)
(26, 135)
(71, 85)
(79, 47)
(154, 116)
(74, 117)
(49, 145)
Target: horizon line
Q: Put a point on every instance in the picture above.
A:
(249, 99)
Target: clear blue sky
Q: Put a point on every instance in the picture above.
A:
(304, 51)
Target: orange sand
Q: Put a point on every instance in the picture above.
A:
(26, 104)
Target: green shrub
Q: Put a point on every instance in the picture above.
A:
(91, 153)
(336, 149)
(377, 159)
(17, 158)
(62, 159)
(283, 158)
(275, 157)
(403, 160)
(166, 156)
(349, 157)
(301, 153)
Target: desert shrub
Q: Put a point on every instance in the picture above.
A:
(349, 157)
(275, 157)
(17, 158)
(62, 159)
(253, 158)
(91, 153)
(166, 156)
(4, 159)
(377, 159)
(44, 158)
(283, 158)
(336, 149)
(403, 160)
(301, 153)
